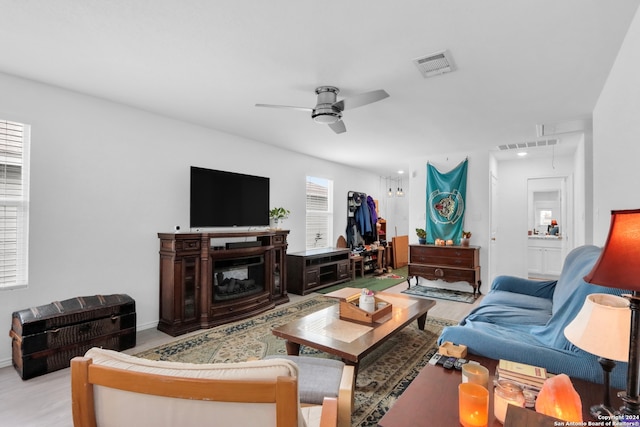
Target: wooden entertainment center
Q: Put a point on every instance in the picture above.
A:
(315, 269)
(204, 285)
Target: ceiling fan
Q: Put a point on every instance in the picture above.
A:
(329, 111)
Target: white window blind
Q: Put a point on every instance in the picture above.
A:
(14, 204)
(319, 212)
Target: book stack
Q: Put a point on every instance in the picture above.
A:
(529, 377)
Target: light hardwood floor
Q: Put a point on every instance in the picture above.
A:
(45, 401)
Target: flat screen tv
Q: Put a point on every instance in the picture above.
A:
(228, 199)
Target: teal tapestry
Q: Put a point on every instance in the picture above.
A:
(446, 194)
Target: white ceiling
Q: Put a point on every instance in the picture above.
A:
(519, 63)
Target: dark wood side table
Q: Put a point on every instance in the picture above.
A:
(432, 398)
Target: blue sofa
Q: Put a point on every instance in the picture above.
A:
(523, 320)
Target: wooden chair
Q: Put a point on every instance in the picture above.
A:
(104, 395)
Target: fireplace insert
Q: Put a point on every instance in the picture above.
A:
(238, 277)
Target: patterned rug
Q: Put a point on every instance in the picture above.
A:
(448, 294)
(383, 375)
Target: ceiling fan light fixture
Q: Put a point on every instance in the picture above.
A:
(328, 110)
(326, 115)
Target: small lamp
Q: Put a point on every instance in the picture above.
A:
(602, 328)
(619, 267)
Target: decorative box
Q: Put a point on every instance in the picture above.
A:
(349, 310)
(449, 349)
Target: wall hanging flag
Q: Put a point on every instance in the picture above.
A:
(446, 194)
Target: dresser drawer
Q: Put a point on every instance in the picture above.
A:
(188, 245)
(431, 272)
(443, 255)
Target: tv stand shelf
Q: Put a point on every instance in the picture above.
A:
(314, 269)
(203, 286)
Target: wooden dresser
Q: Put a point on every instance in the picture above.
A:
(448, 263)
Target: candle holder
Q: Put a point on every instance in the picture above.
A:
(473, 405)
(477, 374)
(506, 393)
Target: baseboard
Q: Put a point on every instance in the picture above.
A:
(145, 326)
(5, 363)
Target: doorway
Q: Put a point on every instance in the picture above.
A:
(548, 226)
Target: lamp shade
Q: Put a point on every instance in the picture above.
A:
(619, 262)
(602, 327)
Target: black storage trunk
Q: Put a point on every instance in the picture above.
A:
(46, 338)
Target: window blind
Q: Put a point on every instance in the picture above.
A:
(14, 204)
(319, 212)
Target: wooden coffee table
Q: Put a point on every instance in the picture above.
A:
(432, 398)
(350, 340)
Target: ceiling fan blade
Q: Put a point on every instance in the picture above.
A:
(338, 127)
(309, 110)
(360, 100)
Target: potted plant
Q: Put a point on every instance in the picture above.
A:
(422, 235)
(278, 214)
(466, 235)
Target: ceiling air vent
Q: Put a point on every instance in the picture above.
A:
(530, 144)
(435, 64)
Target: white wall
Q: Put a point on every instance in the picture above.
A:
(106, 178)
(512, 208)
(395, 209)
(616, 137)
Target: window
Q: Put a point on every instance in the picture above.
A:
(545, 216)
(14, 203)
(319, 212)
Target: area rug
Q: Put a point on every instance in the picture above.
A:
(447, 294)
(383, 375)
(372, 282)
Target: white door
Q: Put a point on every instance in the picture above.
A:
(493, 236)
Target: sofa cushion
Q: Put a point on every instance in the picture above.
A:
(511, 308)
(318, 378)
(520, 285)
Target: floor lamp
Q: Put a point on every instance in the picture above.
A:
(602, 328)
(619, 267)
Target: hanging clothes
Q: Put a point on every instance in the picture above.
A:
(363, 220)
(372, 210)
